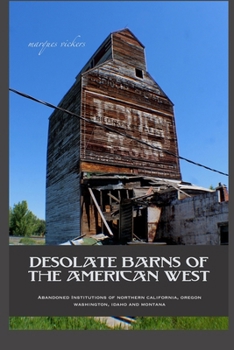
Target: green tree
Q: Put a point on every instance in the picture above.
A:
(41, 226)
(22, 222)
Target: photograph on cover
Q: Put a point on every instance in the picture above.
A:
(113, 163)
(118, 115)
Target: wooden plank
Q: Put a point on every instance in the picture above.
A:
(101, 167)
(111, 195)
(101, 204)
(100, 212)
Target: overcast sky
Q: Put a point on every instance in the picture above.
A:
(186, 46)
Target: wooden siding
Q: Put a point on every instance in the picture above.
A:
(115, 90)
(123, 46)
(113, 96)
(128, 49)
(63, 178)
(63, 210)
(102, 54)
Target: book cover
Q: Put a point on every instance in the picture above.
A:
(118, 168)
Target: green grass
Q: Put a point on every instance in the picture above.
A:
(55, 323)
(181, 323)
(27, 241)
(142, 323)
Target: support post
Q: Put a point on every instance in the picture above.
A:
(100, 212)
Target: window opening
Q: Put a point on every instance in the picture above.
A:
(139, 73)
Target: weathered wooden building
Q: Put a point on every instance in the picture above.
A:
(104, 161)
(119, 103)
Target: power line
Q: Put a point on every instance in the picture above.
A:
(114, 130)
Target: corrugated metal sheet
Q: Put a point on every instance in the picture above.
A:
(125, 221)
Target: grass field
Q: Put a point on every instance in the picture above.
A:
(142, 323)
(34, 240)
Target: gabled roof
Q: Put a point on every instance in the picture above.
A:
(126, 30)
(107, 44)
